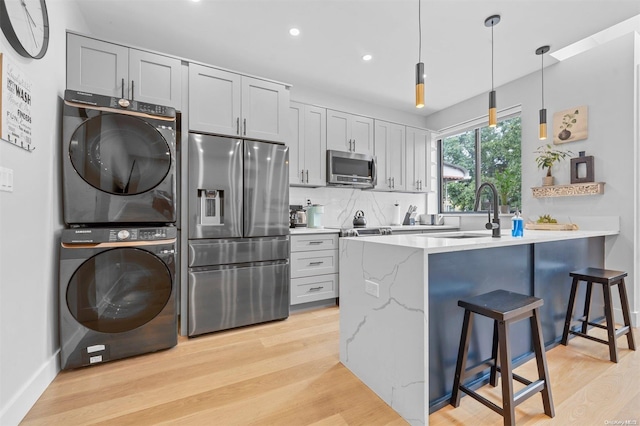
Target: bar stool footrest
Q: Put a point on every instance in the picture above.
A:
(592, 324)
(532, 389)
(622, 331)
(482, 399)
(586, 336)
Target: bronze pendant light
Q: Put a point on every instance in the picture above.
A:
(543, 112)
(419, 65)
(492, 21)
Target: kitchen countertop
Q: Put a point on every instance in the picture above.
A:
(434, 243)
(417, 228)
(307, 231)
(399, 293)
(421, 227)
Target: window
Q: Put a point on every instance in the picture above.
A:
(491, 154)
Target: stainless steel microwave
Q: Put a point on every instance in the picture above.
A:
(351, 169)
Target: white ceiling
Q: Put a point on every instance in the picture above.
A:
(252, 36)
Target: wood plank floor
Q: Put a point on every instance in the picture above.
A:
(289, 373)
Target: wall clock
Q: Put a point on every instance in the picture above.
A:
(25, 23)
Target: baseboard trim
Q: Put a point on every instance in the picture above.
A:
(20, 404)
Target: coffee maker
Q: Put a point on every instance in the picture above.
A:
(297, 216)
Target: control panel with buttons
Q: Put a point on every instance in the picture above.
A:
(117, 235)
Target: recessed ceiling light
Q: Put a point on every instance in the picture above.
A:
(367, 57)
(294, 32)
(195, 1)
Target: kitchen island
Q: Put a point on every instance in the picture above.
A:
(399, 320)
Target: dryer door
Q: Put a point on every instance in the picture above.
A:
(119, 290)
(120, 154)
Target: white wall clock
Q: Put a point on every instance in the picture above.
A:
(25, 23)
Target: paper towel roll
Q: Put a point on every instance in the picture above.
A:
(397, 215)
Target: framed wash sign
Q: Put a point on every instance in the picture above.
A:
(16, 123)
(570, 125)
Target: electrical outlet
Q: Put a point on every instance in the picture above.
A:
(6, 179)
(371, 288)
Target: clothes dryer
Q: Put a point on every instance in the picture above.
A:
(117, 293)
(118, 161)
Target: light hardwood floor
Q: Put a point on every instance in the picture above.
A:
(289, 373)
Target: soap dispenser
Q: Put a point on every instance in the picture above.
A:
(517, 225)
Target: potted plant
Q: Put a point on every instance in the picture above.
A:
(547, 156)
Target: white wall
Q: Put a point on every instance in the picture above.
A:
(604, 79)
(30, 224)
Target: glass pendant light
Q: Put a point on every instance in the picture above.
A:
(492, 21)
(543, 112)
(419, 65)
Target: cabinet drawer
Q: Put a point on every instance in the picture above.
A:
(305, 264)
(314, 242)
(310, 289)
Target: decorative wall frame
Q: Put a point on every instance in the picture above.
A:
(570, 125)
(582, 169)
(16, 91)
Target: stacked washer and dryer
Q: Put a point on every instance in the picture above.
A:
(117, 281)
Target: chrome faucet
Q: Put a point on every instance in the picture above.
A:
(494, 224)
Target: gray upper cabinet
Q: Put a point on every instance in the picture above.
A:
(390, 155)
(349, 132)
(307, 142)
(226, 103)
(420, 170)
(109, 69)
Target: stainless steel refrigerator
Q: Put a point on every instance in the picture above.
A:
(238, 233)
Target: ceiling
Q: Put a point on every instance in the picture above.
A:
(251, 36)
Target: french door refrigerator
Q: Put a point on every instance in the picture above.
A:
(238, 271)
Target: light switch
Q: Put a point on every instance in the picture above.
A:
(6, 179)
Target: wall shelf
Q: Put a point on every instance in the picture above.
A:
(574, 189)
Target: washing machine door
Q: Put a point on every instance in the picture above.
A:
(119, 290)
(120, 154)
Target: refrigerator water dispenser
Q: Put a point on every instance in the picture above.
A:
(211, 202)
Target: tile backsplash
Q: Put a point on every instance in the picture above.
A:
(341, 204)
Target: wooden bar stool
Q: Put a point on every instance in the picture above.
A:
(504, 308)
(607, 278)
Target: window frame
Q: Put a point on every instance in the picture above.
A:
(474, 125)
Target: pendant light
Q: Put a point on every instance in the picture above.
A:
(419, 65)
(492, 21)
(543, 112)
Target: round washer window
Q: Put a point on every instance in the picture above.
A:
(120, 154)
(119, 290)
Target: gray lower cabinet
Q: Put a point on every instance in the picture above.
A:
(314, 267)
(109, 69)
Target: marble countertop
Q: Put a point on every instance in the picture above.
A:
(421, 227)
(416, 228)
(442, 242)
(307, 231)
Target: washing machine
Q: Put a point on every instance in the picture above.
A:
(118, 161)
(117, 293)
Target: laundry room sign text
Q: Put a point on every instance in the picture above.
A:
(16, 120)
